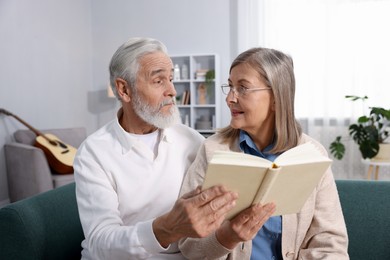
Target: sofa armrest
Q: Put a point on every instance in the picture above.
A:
(45, 226)
(27, 170)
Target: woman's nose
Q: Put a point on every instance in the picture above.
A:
(231, 96)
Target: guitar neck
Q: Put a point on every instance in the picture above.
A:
(36, 131)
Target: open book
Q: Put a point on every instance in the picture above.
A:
(288, 182)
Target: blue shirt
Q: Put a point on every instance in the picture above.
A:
(267, 243)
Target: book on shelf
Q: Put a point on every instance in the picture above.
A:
(187, 101)
(185, 98)
(288, 181)
(200, 74)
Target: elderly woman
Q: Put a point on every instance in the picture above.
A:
(260, 96)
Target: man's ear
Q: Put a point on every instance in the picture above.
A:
(123, 89)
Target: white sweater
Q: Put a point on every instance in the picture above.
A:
(121, 189)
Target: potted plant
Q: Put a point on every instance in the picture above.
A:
(210, 76)
(368, 132)
(205, 90)
(209, 79)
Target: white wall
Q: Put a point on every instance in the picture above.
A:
(55, 54)
(45, 67)
(184, 26)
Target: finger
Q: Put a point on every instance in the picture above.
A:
(243, 217)
(268, 208)
(253, 214)
(223, 203)
(208, 195)
(266, 212)
(213, 212)
(217, 209)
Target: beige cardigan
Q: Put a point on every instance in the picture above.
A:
(317, 232)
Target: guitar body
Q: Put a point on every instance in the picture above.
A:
(59, 155)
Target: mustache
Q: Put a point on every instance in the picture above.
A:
(169, 101)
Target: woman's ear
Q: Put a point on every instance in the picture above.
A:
(123, 89)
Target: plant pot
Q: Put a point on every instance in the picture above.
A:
(384, 153)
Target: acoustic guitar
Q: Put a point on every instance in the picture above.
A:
(59, 155)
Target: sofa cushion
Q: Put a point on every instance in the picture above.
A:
(46, 226)
(366, 209)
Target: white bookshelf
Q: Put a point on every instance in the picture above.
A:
(202, 111)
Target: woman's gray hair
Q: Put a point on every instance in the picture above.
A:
(277, 71)
(125, 61)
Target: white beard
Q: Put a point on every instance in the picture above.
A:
(153, 116)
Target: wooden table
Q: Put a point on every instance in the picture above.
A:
(374, 164)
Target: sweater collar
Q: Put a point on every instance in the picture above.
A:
(127, 141)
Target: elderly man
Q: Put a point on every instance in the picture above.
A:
(129, 173)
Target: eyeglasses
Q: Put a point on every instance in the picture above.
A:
(239, 91)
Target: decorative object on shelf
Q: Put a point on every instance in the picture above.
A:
(369, 132)
(209, 77)
(203, 122)
(205, 89)
(202, 94)
(209, 80)
(176, 72)
(186, 120)
(200, 74)
(184, 72)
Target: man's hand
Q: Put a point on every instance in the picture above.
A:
(195, 214)
(245, 225)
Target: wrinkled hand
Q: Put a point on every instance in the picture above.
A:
(195, 214)
(245, 225)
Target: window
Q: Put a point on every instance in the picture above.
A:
(339, 47)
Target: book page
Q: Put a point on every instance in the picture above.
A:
(306, 152)
(293, 185)
(245, 180)
(236, 158)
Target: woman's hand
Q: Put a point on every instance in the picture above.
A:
(245, 225)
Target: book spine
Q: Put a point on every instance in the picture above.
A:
(266, 185)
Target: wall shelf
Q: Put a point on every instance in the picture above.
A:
(198, 101)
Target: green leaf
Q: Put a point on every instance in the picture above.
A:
(354, 98)
(337, 149)
(363, 119)
(369, 149)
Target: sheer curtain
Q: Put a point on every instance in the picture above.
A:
(339, 47)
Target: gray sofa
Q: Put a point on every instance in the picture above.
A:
(28, 171)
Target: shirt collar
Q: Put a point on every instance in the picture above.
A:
(248, 146)
(127, 141)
